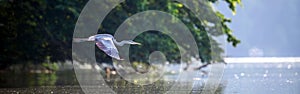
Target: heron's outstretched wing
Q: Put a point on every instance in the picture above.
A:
(108, 47)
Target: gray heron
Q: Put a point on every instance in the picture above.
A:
(106, 43)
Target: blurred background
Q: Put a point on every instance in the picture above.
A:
(271, 27)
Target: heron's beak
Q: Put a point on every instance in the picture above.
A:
(136, 43)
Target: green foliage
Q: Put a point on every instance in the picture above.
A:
(25, 79)
(38, 30)
(227, 30)
(232, 4)
(33, 30)
(51, 66)
(155, 41)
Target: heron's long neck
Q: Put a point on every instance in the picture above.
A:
(120, 43)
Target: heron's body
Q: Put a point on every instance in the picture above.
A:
(106, 43)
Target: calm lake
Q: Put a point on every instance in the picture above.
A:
(238, 78)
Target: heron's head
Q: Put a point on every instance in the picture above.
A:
(132, 42)
(91, 38)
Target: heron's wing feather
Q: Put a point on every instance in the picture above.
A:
(108, 47)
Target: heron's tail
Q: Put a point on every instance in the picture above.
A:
(80, 39)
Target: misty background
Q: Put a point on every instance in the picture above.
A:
(267, 28)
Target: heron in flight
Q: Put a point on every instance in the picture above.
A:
(106, 43)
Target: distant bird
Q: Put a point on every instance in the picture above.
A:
(106, 43)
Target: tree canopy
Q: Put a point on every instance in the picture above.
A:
(35, 31)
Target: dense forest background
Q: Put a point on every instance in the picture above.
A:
(38, 31)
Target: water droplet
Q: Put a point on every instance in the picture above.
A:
(296, 73)
(236, 76)
(242, 74)
(173, 72)
(267, 71)
(280, 75)
(289, 66)
(113, 72)
(197, 79)
(135, 81)
(289, 81)
(279, 66)
(272, 89)
(281, 84)
(265, 75)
